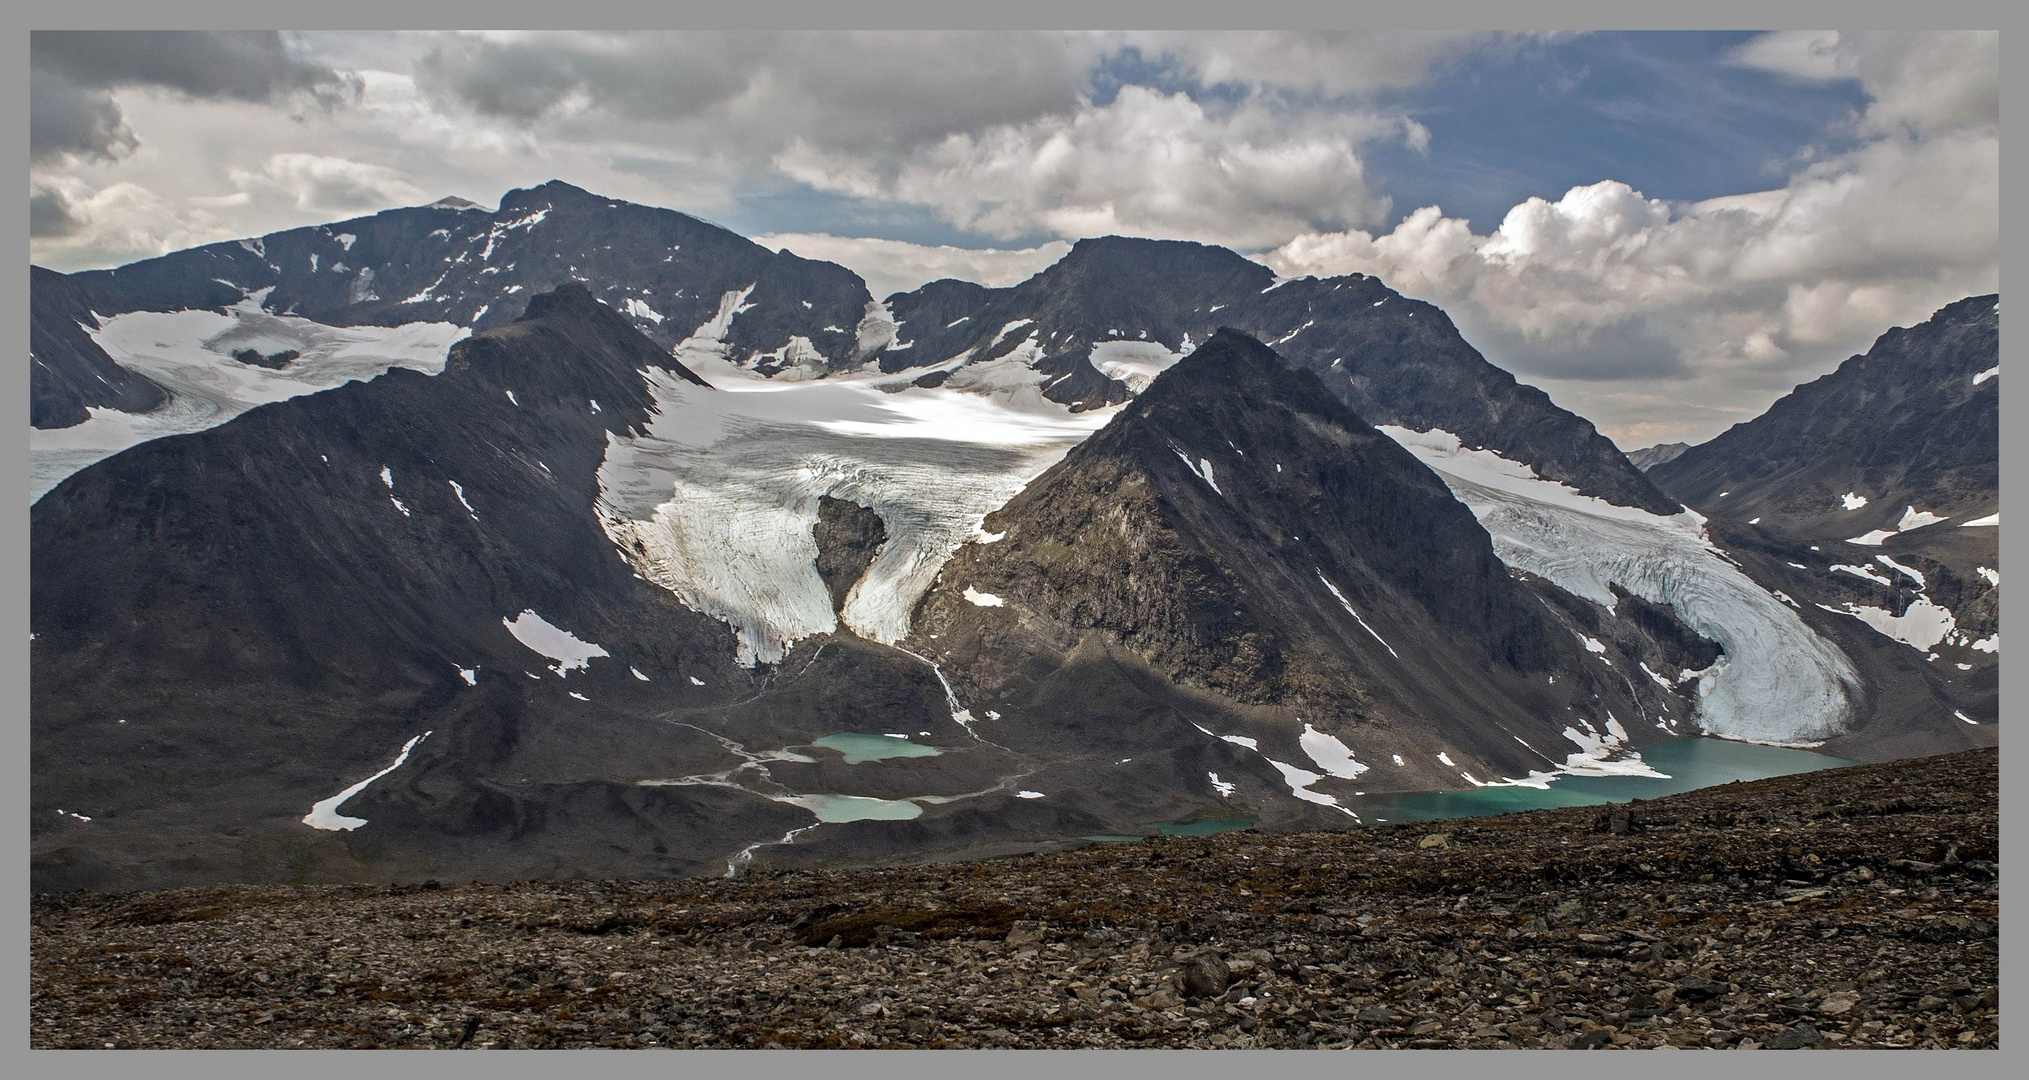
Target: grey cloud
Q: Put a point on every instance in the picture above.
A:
(73, 74)
(50, 216)
(840, 90)
(67, 119)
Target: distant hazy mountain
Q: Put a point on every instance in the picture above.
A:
(1648, 457)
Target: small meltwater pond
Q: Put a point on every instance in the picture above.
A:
(842, 808)
(862, 748)
(1688, 764)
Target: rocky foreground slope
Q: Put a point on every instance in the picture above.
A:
(1847, 908)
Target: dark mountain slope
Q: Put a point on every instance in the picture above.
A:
(1394, 360)
(1648, 457)
(1204, 531)
(1905, 424)
(67, 371)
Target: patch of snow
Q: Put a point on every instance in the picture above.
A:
(579, 696)
(1446, 759)
(981, 599)
(470, 675)
(189, 354)
(1300, 780)
(1785, 598)
(1912, 518)
(1341, 598)
(1912, 574)
(1202, 470)
(511, 397)
(458, 490)
(345, 240)
(1028, 794)
(1135, 363)
(1993, 576)
(1778, 681)
(1331, 755)
(562, 646)
(1398, 759)
(695, 681)
(1964, 717)
(1658, 679)
(1224, 788)
(1987, 374)
(594, 403)
(1993, 519)
(640, 310)
(1867, 572)
(1990, 644)
(1853, 500)
(984, 537)
(1921, 626)
(1592, 645)
(324, 815)
(1872, 539)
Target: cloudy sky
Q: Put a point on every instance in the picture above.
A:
(1665, 231)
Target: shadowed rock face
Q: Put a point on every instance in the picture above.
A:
(849, 537)
(1245, 534)
(1648, 457)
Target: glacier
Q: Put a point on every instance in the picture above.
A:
(189, 354)
(1778, 682)
(721, 491)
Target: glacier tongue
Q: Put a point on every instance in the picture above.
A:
(1779, 682)
(721, 492)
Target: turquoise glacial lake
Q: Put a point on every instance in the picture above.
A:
(1689, 763)
(859, 748)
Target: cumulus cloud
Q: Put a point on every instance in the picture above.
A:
(1146, 164)
(117, 224)
(1731, 301)
(73, 74)
(892, 266)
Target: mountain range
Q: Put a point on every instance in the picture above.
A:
(585, 538)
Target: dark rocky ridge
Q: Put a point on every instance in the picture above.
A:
(67, 371)
(1849, 908)
(1394, 360)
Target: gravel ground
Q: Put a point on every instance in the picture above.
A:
(1848, 908)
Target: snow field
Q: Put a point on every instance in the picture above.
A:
(189, 354)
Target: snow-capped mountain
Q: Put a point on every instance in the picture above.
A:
(617, 544)
(1870, 499)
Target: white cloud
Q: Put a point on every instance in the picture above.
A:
(892, 266)
(1728, 303)
(1332, 63)
(1144, 164)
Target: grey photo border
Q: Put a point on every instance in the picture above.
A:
(918, 14)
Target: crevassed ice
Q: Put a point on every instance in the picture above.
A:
(721, 492)
(1778, 681)
(189, 354)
